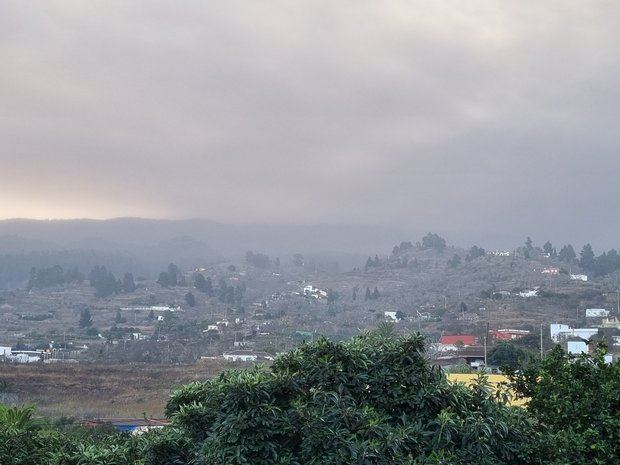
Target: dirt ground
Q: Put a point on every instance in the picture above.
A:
(88, 390)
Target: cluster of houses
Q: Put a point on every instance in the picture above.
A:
(10, 355)
(578, 341)
(460, 349)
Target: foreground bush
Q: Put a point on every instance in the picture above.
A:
(371, 400)
(576, 402)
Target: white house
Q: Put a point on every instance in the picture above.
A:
(390, 316)
(529, 293)
(315, 292)
(584, 333)
(24, 358)
(154, 308)
(240, 356)
(500, 253)
(596, 313)
(246, 356)
(550, 270)
(555, 329)
(560, 332)
(579, 277)
(5, 351)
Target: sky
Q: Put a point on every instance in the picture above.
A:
(477, 116)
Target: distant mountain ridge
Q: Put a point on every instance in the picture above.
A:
(224, 239)
(146, 246)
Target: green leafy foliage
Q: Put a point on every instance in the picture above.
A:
(576, 402)
(370, 400)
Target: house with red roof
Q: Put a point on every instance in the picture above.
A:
(455, 342)
(458, 339)
(507, 334)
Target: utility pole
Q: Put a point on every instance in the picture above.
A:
(486, 334)
(541, 342)
(617, 297)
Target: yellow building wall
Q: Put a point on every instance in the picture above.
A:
(496, 381)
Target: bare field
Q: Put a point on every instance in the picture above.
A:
(89, 390)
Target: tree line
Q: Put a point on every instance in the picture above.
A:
(41, 278)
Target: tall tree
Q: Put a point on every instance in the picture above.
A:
(375, 293)
(173, 274)
(128, 283)
(454, 261)
(434, 241)
(86, 319)
(190, 299)
(587, 258)
(474, 253)
(567, 254)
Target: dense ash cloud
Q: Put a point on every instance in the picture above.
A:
(479, 119)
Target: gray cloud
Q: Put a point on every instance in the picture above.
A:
(480, 119)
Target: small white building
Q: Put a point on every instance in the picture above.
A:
(529, 293)
(246, 356)
(24, 358)
(5, 351)
(555, 329)
(311, 291)
(550, 270)
(584, 333)
(579, 277)
(560, 332)
(240, 356)
(596, 313)
(576, 347)
(154, 308)
(390, 316)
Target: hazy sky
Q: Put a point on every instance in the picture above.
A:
(447, 115)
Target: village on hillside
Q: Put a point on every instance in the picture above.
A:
(466, 303)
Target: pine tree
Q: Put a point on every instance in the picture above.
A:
(128, 283)
(86, 319)
(587, 258)
(190, 299)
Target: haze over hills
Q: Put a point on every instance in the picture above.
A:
(226, 239)
(207, 238)
(146, 246)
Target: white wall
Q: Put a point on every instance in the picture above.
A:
(576, 347)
